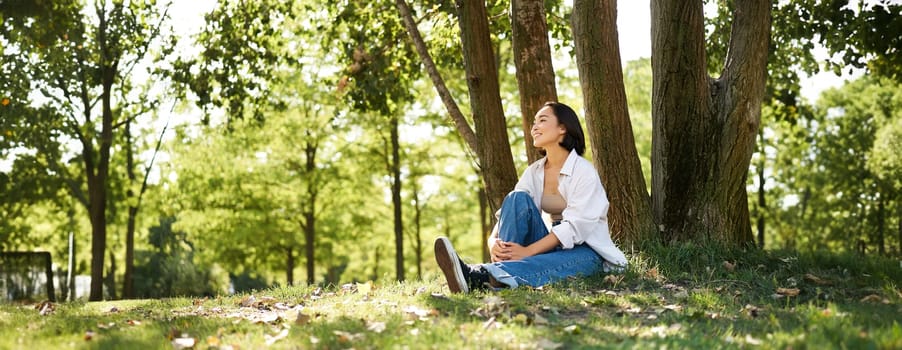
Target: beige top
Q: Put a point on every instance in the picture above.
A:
(554, 204)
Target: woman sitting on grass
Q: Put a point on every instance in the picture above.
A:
(563, 185)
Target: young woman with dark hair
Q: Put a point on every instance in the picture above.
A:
(552, 226)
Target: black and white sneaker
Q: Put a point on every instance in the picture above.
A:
(450, 264)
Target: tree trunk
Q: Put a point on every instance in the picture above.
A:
(485, 224)
(417, 240)
(607, 119)
(532, 57)
(396, 199)
(460, 122)
(289, 266)
(111, 277)
(704, 129)
(127, 284)
(881, 226)
(309, 211)
(98, 173)
(495, 160)
(762, 203)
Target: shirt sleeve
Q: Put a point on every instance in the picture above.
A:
(587, 205)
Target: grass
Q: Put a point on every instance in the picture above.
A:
(675, 297)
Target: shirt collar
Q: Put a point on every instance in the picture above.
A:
(570, 163)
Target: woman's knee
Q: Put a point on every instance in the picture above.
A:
(517, 198)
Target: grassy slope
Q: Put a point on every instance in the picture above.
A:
(682, 297)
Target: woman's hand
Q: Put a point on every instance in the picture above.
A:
(504, 251)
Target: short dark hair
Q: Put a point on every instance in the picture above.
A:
(574, 139)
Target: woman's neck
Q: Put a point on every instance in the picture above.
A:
(555, 157)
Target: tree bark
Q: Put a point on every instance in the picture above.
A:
(881, 226)
(484, 224)
(704, 129)
(98, 172)
(396, 199)
(496, 162)
(289, 266)
(762, 203)
(532, 57)
(309, 211)
(127, 283)
(417, 226)
(608, 124)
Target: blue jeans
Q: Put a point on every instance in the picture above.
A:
(521, 222)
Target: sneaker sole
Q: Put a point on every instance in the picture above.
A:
(447, 260)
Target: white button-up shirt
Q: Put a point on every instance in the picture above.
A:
(585, 220)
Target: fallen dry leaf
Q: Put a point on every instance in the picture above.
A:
(546, 344)
(346, 337)
(488, 323)
(270, 339)
(247, 301)
(213, 341)
(302, 319)
(183, 343)
(752, 310)
(46, 307)
(377, 327)
(817, 280)
(790, 292)
(729, 266)
(652, 273)
(874, 298)
(572, 329)
(613, 279)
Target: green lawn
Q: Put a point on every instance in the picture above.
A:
(681, 297)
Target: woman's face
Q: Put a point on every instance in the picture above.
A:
(546, 130)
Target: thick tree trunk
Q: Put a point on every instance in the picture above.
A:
(532, 57)
(396, 199)
(607, 119)
(704, 129)
(495, 160)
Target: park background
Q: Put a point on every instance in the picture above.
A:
(259, 143)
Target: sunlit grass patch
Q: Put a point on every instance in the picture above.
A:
(674, 297)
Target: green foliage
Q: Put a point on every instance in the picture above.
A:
(170, 269)
(243, 42)
(884, 161)
(832, 172)
(637, 83)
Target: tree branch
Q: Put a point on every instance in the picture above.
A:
(453, 110)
